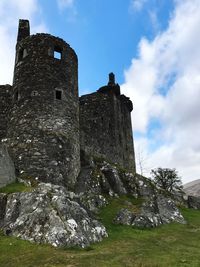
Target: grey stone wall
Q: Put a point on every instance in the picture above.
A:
(7, 170)
(5, 101)
(105, 125)
(43, 128)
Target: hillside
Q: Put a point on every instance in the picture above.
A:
(192, 188)
(167, 246)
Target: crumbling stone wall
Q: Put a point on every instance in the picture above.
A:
(43, 129)
(105, 125)
(5, 102)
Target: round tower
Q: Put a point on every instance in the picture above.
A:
(43, 132)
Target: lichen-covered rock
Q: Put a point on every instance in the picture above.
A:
(194, 202)
(147, 221)
(145, 186)
(89, 181)
(7, 169)
(3, 200)
(155, 211)
(49, 215)
(168, 210)
(91, 202)
(124, 217)
(113, 178)
(104, 178)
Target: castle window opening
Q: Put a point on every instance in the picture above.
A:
(58, 94)
(16, 96)
(34, 93)
(57, 52)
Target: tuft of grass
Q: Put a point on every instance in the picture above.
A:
(15, 187)
(172, 245)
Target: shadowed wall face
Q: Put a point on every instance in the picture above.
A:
(105, 124)
(5, 103)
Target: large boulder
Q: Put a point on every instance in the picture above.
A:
(49, 214)
(155, 211)
(7, 169)
(194, 202)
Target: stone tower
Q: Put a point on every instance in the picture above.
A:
(105, 123)
(43, 126)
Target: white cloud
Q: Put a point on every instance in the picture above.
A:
(154, 20)
(170, 61)
(10, 12)
(137, 5)
(22, 7)
(62, 4)
(70, 7)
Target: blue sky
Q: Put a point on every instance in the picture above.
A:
(105, 34)
(153, 48)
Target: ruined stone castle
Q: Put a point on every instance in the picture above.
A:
(46, 127)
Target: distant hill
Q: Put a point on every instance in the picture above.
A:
(192, 188)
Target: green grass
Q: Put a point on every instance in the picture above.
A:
(15, 187)
(171, 245)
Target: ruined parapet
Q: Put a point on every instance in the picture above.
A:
(5, 102)
(112, 87)
(23, 29)
(105, 124)
(43, 131)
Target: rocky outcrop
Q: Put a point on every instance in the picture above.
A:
(3, 200)
(104, 178)
(156, 211)
(124, 217)
(7, 169)
(100, 178)
(50, 214)
(194, 202)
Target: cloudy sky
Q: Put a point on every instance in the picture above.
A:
(153, 47)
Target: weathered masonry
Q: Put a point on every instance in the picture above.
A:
(40, 121)
(105, 125)
(43, 127)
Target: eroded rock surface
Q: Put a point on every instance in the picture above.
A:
(104, 178)
(194, 202)
(154, 212)
(49, 214)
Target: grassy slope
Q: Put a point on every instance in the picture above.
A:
(15, 187)
(169, 245)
